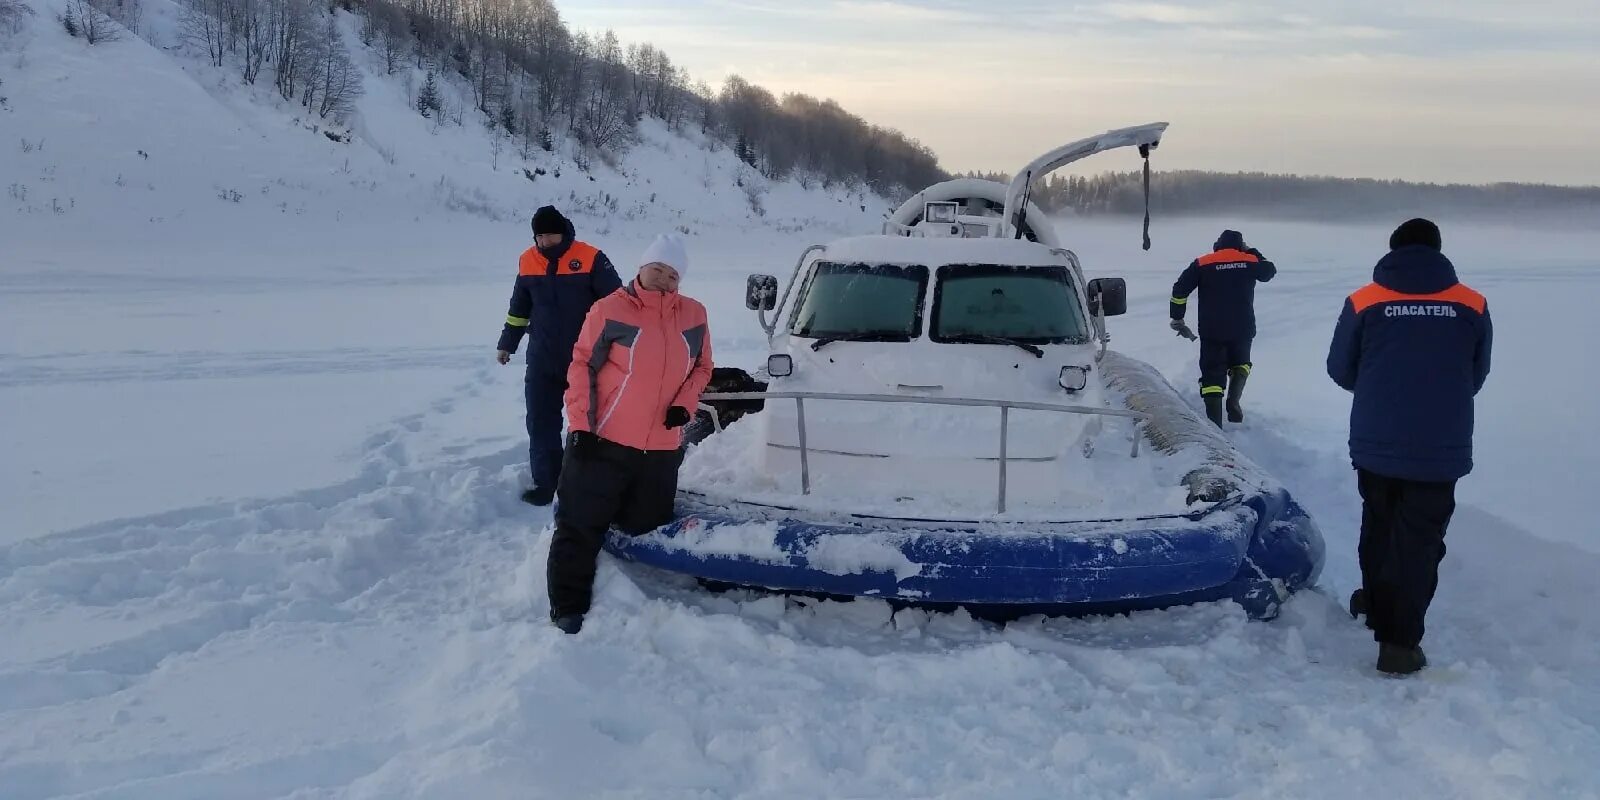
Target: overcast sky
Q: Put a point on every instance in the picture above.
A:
(1440, 90)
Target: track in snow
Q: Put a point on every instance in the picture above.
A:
(116, 367)
(384, 637)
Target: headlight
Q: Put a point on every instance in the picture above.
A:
(780, 365)
(1074, 379)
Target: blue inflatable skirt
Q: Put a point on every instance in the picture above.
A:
(1254, 550)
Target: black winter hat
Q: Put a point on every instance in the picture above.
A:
(1416, 231)
(548, 220)
(1229, 240)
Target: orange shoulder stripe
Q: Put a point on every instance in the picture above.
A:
(1226, 257)
(1460, 294)
(578, 260)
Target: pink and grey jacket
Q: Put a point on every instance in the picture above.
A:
(639, 353)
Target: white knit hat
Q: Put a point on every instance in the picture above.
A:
(669, 249)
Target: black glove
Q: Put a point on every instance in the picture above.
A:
(677, 417)
(582, 444)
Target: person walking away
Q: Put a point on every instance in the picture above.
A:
(636, 376)
(1226, 279)
(1413, 346)
(558, 280)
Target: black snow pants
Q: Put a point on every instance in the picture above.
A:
(1402, 542)
(1217, 356)
(544, 393)
(613, 485)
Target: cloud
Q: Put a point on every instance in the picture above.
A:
(886, 11)
(860, 11)
(1168, 14)
(1432, 89)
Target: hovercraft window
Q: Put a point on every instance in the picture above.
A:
(862, 302)
(1034, 305)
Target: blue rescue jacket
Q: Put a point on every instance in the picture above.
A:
(1414, 347)
(1227, 281)
(555, 288)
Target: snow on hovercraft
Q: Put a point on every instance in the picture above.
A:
(940, 422)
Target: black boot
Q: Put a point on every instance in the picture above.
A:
(1396, 660)
(569, 624)
(1214, 408)
(1236, 379)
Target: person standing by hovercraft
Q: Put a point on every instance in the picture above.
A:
(558, 280)
(1413, 347)
(634, 382)
(1226, 280)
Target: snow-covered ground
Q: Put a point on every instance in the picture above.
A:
(261, 537)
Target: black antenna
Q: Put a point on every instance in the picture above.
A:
(1144, 151)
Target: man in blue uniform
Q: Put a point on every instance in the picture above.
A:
(1413, 346)
(1226, 279)
(558, 279)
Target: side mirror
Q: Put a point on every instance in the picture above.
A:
(1108, 296)
(761, 293)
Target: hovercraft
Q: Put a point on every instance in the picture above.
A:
(940, 422)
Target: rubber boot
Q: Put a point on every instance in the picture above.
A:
(1396, 660)
(569, 624)
(1236, 379)
(1213, 408)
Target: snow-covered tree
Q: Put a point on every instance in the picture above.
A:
(250, 33)
(396, 34)
(127, 13)
(604, 121)
(204, 25)
(338, 81)
(294, 48)
(11, 15)
(100, 21)
(428, 102)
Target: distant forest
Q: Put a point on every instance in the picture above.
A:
(1295, 196)
(535, 80)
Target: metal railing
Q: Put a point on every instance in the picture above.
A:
(1005, 407)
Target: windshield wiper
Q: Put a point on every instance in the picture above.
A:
(859, 336)
(978, 338)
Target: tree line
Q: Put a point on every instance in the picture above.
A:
(1267, 195)
(533, 78)
(800, 135)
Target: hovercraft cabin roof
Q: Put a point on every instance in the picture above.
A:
(934, 252)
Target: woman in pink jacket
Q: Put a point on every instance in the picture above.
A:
(641, 362)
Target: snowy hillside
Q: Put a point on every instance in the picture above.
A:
(141, 141)
(261, 535)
